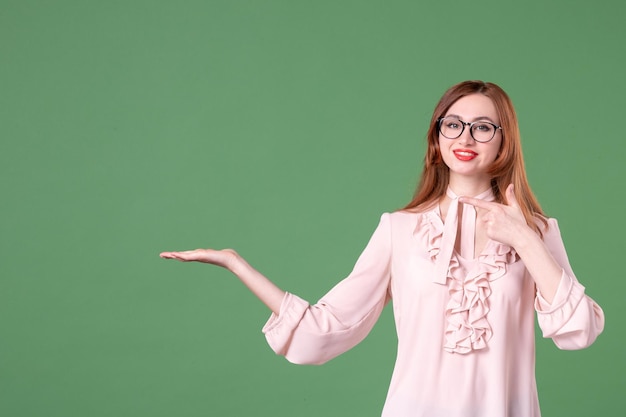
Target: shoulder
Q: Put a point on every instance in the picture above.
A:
(546, 224)
(402, 221)
(550, 230)
(406, 216)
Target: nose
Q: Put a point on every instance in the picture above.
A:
(466, 136)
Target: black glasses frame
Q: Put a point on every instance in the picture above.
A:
(495, 128)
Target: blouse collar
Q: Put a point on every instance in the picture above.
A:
(451, 227)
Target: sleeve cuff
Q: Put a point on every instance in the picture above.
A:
(553, 316)
(279, 328)
(560, 297)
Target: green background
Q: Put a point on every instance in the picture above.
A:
(282, 129)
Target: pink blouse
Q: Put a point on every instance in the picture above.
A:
(465, 326)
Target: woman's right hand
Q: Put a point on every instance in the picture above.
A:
(260, 286)
(225, 258)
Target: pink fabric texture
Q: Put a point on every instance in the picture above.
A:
(465, 331)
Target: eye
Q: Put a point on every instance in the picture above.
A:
(483, 127)
(452, 124)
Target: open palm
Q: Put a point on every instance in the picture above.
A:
(224, 258)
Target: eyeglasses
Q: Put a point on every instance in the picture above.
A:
(481, 131)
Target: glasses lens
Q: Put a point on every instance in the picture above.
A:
(451, 128)
(483, 131)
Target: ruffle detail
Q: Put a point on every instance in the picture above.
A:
(466, 311)
(427, 232)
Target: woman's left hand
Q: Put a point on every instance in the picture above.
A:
(504, 223)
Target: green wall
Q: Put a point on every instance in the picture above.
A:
(283, 129)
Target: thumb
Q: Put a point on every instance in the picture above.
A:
(510, 197)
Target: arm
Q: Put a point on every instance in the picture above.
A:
(505, 223)
(314, 334)
(572, 319)
(260, 286)
(539, 262)
(565, 313)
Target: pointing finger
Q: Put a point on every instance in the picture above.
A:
(478, 203)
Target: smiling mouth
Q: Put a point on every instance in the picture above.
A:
(465, 155)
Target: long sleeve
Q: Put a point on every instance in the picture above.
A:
(314, 334)
(573, 320)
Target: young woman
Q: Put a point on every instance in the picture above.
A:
(467, 264)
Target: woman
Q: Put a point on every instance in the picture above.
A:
(467, 263)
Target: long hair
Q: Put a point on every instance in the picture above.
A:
(508, 168)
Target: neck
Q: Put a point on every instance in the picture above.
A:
(469, 187)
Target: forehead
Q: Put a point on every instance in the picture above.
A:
(474, 106)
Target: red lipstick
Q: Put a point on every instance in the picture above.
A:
(464, 154)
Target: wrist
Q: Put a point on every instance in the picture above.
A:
(236, 264)
(526, 237)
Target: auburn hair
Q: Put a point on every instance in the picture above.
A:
(508, 167)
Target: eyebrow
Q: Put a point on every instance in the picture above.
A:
(473, 120)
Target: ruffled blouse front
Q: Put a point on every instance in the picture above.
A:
(466, 311)
(465, 325)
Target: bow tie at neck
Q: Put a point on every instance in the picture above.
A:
(450, 231)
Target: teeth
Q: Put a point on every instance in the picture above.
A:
(465, 153)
